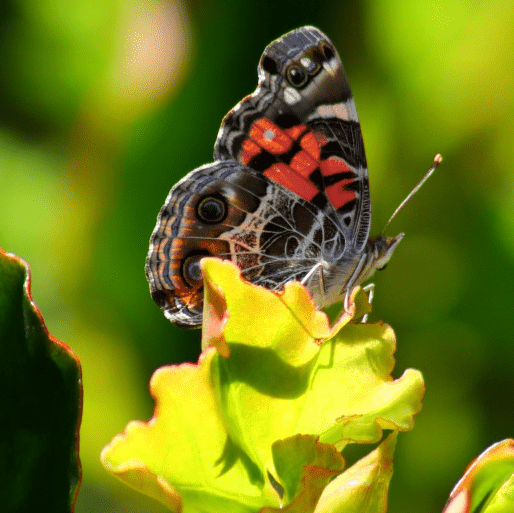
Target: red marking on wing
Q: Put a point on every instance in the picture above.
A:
(284, 175)
(338, 195)
(303, 163)
(310, 144)
(264, 135)
(295, 131)
(333, 165)
(248, 151)
(270, 137)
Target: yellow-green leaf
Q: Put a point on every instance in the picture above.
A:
(182, 457)
(363, 487)
(304, 466)
(488, 484)
(281, 380)
(248, 415)
(300, 455)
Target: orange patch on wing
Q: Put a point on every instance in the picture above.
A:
(333, 165)
(303, 163)
(248, 151)
(191, 296)
(270, 137)
(284, 175)
(295, 131)
(338, 195)
(311, 145)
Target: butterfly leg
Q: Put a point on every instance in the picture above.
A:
(346, 302)
(307, 278)
(370, 290)
(309, 275)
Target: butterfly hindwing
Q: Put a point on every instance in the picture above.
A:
(230, 211)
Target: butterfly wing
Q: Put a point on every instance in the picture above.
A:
(288, 191)
(301, 130)
(231, 211)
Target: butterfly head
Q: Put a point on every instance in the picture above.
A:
(374, 257)
(379, 253)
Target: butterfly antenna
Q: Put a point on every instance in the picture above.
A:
(437, 160)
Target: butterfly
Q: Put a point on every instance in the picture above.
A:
(287, 196)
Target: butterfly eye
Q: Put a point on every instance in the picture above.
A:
(211, 209)
(191, 271)
(296, 76)
(327, 52)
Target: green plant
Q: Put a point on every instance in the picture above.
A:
(261, 424)
(263, 421)
(41, 403)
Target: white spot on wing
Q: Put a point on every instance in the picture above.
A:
(269, 135)
(344, 110)
(306, 62)
(331, 66)
(291, 96)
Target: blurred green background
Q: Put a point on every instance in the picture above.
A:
(105, 104)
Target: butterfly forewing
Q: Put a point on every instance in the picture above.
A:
(304, 135)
